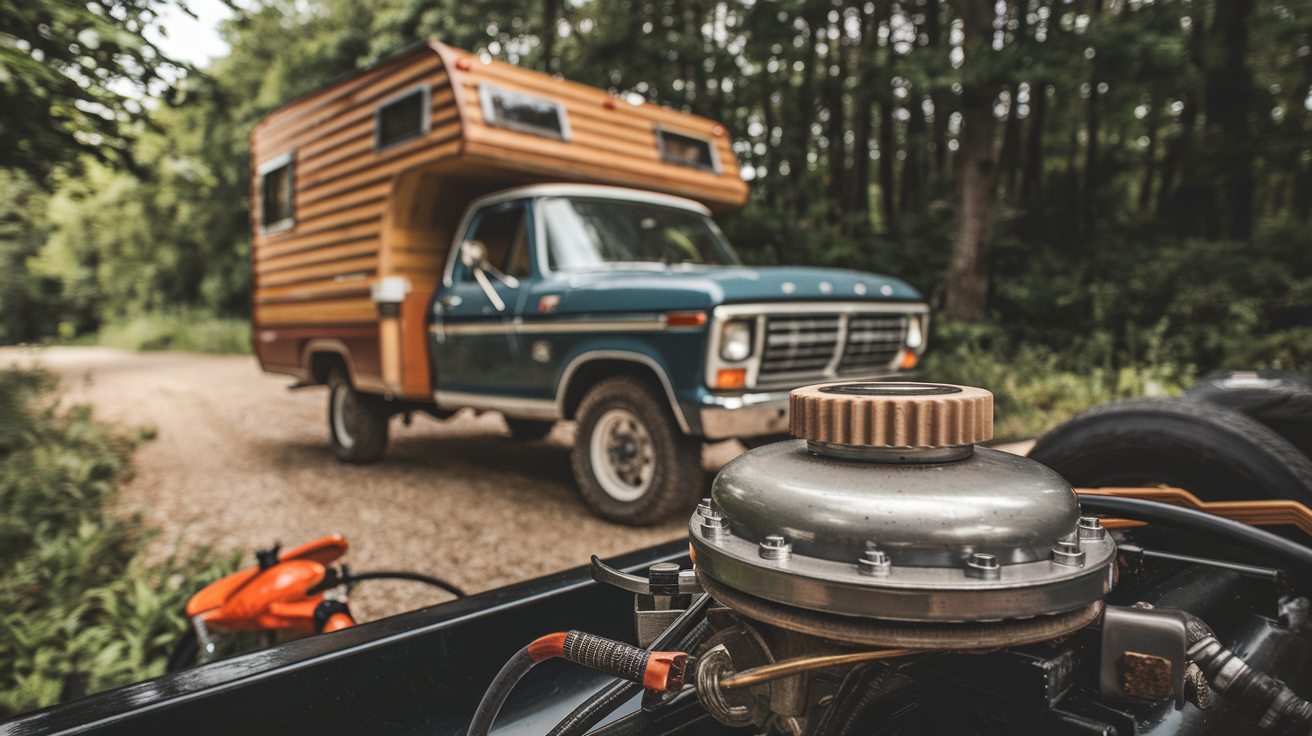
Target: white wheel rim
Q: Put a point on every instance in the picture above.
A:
(623, 456)
(340, 394)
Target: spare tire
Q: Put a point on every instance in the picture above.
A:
(1217, 454)
(1279, 399)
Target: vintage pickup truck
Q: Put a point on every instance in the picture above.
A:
(441, 231)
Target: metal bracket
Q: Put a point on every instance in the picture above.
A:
(687, 583)
(1143, 654)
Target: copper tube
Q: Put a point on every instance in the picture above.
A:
(778, 670)
(1257, 513)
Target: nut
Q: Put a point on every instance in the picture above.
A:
(1091, 528)
(776, 547)
(983, 567)
(1068, 554)
(875, 563)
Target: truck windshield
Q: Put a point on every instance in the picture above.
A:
(587, 233)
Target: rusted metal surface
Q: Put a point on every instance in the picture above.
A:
(1146, 676)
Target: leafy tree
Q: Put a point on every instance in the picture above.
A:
(69, 74)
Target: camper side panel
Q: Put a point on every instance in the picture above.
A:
(323, 171)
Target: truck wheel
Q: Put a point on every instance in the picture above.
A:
(1215, 453)
(1280, 400)
(632, 463)
(528, 430)
(357, 423)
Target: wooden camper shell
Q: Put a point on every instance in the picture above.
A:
(361, 212)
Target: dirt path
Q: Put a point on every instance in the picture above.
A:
(239, 462)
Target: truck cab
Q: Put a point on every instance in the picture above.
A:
(629, 312)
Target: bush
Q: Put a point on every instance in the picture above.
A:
(81, 607)
(180, 331)
(1035, 388)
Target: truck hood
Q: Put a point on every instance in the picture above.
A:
(703, 287)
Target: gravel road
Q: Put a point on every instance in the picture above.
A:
(239, 462)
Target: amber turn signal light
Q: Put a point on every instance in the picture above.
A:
(685, 319)
(731, 378)
(909, 359)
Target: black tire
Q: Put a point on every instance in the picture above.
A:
(643, 478)
(357, 422)
(1213, 452)
(528, 430)
(1280, 400)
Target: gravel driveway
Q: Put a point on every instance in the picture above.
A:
(240, 461)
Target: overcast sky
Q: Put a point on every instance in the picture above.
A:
(191, 39)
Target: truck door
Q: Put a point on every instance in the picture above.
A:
(474, 346)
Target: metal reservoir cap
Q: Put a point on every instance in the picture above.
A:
(885, 509)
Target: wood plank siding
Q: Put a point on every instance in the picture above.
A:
(360, 214)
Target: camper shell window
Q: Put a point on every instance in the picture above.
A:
(402, 118)
(687, 150)
(503, 108)
(277, 193)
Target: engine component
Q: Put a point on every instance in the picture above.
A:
(885, 525)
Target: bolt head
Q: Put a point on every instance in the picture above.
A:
(1068, 554)
(983, 567)
(875, 563)
(775, 547)
(1091, 528)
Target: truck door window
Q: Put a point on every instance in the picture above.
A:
(503, 231)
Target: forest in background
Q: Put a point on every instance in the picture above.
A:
(1110, 188)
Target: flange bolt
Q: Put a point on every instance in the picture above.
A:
(1091, 528)
(704, 508)
(983, 567)
(776, 547)
(875, 564)
(1068, 554)
(714, 526)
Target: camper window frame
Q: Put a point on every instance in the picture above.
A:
(425, 91)
(715, 166)
(288, 161)
(485, 92)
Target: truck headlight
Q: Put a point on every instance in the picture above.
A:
(736, 340)
(915, 338)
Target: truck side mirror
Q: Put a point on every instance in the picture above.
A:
(473, 253)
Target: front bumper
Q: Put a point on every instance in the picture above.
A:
(747, 415)
(758, 414)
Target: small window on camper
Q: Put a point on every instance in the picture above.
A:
(277, 194)
(686, 150)
(401, 118)
(503, 108)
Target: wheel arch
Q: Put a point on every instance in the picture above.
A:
(321, 355)
(587, 369)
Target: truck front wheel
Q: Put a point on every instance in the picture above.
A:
(357, 423)
(632, 463)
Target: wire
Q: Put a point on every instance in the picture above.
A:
(392, 575)
(1234, 532)
(766, 673)
(690, 625)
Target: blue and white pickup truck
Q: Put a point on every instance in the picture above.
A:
(630, 313)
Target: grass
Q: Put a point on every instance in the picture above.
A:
(81, 607)
(179, 331)
(1034, 388)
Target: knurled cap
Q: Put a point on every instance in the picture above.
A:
(876, 414)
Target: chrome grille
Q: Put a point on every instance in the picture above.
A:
(802, 348)
(872, 342)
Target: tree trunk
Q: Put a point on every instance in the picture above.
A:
(887, 160)
(550, 11)
(1228, 102)
(1032, 175)
(967, 285)
(909, 202)
(1150, 157)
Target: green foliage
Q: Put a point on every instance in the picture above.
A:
(1035, 388)
(29, 303)
(65, 67)
(79, 600)
(188, 331)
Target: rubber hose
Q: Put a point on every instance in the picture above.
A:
(1234, 532)
(604, 702)
(390, 575)
(496, 694)
(1257, 695)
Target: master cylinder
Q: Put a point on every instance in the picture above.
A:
(884, 525)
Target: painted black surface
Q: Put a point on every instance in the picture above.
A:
(421, 672)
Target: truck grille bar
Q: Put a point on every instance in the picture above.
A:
(802, 348)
